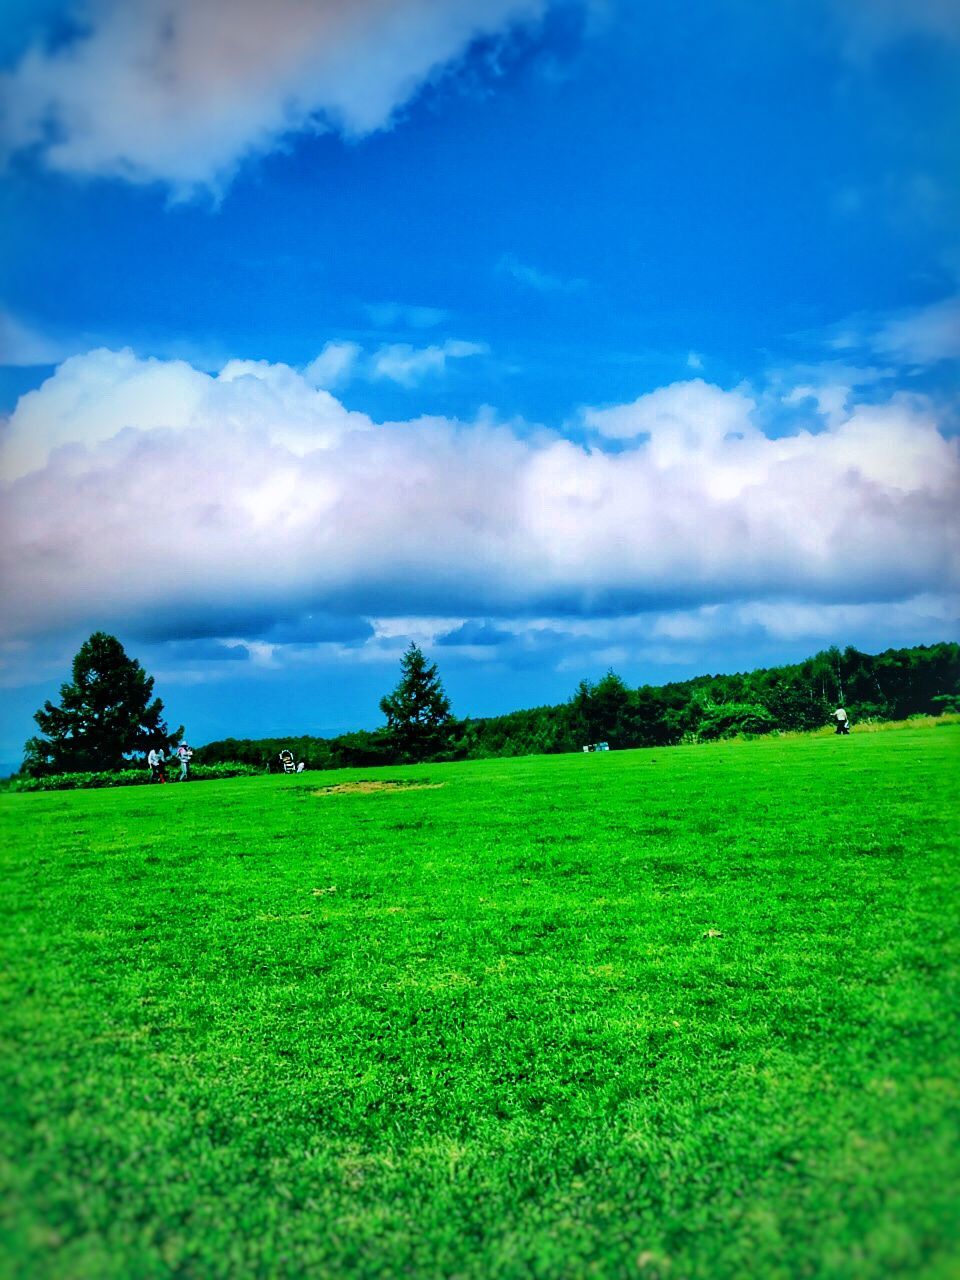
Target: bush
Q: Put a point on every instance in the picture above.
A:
(727, 719)
(127, 777)
(226, 769)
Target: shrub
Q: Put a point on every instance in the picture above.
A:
(126, 777)
(727, 719)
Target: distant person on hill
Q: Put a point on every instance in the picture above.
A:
(158, 764)
(184, 754)
(843, 723)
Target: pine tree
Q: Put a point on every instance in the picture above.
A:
(418, 710)
(106, 714)
(601, 712)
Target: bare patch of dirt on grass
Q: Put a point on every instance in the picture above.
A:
(367, 785)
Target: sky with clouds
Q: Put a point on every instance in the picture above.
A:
(554, 335)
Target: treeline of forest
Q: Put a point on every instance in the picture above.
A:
(891, 685)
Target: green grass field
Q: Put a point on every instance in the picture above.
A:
(679, 1013)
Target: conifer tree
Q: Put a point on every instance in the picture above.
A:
(418, 710)
(106, 713)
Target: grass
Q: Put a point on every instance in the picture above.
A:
(946, 720)
(682, 1013)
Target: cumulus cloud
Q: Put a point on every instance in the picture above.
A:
(830, 399)
(677, 418)
(145, 494)
(333, 365)
(94, 398)
(180, 91)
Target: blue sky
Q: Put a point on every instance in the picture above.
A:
(554, 336)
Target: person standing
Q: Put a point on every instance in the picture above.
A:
(184, 754)
(843, 723)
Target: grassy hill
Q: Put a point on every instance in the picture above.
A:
(680, 1013)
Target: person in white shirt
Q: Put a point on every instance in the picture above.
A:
(158, 764)
(843, 723)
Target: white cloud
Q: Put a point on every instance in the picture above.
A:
(151, 494)
(400, 362)
(333, 365)
(922, 618)
(683, 415)
(95, 398)
(915, 336)
(923, 336)
(181, 91)
(831, 399)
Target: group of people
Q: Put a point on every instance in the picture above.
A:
(157, 762)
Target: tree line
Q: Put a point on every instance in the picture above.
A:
(107, 715)
(893, 685)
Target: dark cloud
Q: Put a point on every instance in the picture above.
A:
(318, 628)
(474, 632)
(209, 621)
(277, 621)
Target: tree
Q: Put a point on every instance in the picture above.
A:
(601, 712)
(106, 714)
(418, 710)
